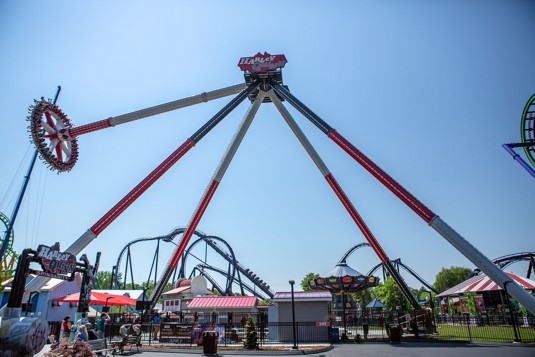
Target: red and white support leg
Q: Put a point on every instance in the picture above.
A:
(205, 201)
(345, 200)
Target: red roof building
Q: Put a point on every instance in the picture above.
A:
(185, 290)
(222, 309)
(227, 303)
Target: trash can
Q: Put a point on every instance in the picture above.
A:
(395, 333)
(335, 334)
(209, 342)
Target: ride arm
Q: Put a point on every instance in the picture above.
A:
(157, 109)
(448, 233)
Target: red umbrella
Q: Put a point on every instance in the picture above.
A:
(101, 299)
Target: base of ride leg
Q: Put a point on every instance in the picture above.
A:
(483, 263)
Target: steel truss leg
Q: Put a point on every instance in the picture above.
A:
(122, 205)
(345, 201)
(209, 193)
(455, 239)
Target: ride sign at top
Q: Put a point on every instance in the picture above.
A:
(262, 62)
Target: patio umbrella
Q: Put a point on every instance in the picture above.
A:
(101, 299)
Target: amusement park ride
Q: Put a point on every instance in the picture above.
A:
(235, 273)
(56, 140)
(527, 135)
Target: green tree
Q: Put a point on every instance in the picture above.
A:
(363, 297)
(390, 294)
(104, 280)
(150, 288)
(305, 283)
(265, 302)
(423, 294)
(449, 277)
(250, 340)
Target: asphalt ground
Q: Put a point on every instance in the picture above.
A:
(427, 349)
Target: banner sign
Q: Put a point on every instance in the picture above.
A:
(262, 62)
(323, 323)
(55, 262)
(175, 333)
(50, 275)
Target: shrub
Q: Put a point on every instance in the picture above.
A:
(250, 340)
(77, 349)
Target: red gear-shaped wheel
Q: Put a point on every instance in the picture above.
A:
(49, 128)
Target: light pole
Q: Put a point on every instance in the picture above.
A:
(294, 347)
(106, 306)
(30, 301)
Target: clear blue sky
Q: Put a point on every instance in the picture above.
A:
(428, 90)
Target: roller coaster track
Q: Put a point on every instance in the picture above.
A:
(203, 267)
(351, 250)
(506, 260)
(166, 238)
(397, 263)
(211, 241)
(8, 258)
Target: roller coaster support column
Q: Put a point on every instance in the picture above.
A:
(203, 204)
(346, 202)
(120, 207)
(455, 239)
(518, 158)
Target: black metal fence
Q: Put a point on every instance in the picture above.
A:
(497, 328)
(467, 328)
(190, 334)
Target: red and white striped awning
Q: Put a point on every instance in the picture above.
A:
(482, 283)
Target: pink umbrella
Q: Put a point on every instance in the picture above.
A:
(101, 299)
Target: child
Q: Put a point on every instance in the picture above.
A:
(82, 334)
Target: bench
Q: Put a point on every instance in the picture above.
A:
(130, 341)
(99, 347)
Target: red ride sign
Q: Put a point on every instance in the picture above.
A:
(262, 62)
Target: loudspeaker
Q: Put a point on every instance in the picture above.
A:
(142, 305)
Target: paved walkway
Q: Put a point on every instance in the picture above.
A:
(412, 349)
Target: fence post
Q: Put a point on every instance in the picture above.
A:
(468, 325)
(511, 313)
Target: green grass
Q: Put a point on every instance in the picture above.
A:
(484, 333)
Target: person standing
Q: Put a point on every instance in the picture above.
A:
(156, 325)
(82, 320)
(101, 325)
(65, 329)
